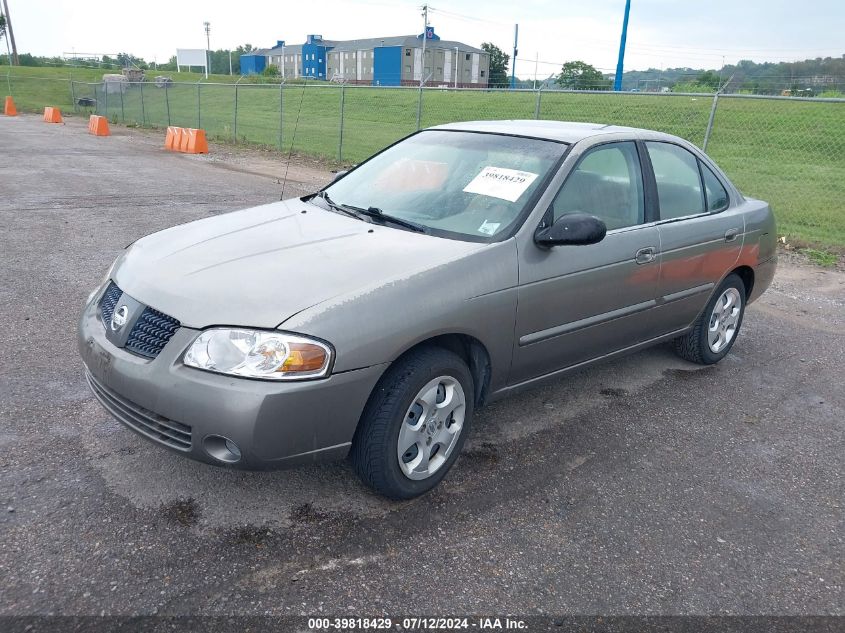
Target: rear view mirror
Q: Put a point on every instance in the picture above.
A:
(572, 229)
(338, 175)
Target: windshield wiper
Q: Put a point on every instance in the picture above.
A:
(334, 206)
(378, 214)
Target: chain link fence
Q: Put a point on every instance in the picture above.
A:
(789, 151)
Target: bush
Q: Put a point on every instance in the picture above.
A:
(270, 71)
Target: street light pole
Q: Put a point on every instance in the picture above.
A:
(425, 37)
(207, 46)
(13, 59)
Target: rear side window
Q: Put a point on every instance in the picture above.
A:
(606, 183)
(679, 188)
(717, 197)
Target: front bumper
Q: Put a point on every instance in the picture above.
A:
(275, 425)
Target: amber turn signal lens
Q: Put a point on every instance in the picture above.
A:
(304, 357)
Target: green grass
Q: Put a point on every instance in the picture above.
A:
(821, 258)
(789, 153)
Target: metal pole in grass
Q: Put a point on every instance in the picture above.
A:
(235, 129)
(73, 97)
(537, 104)
(167, 102)
(122, 112)
(106, 98)
(199, 108)
(340, 139)
(419, 106)
(143, 110)
(281, 111)
(710, 122)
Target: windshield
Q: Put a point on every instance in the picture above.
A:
(462, 185)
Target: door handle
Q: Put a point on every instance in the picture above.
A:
(730, 235)
(646, 255)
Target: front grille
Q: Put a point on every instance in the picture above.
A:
(151, 425)
(108, 302)
(151, 332)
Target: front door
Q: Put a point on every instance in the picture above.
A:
(576, 303)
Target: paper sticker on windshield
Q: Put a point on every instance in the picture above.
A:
(498, 182)
(489, 228)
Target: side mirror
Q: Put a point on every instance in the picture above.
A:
(573, 229)
(338, 175)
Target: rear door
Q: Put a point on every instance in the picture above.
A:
(579, 302)
(701, 234)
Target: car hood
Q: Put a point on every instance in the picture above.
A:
(260, 266)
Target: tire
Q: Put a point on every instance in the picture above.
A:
(697, 345)
(402, 402)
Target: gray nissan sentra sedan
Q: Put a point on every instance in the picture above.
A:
(462, 263)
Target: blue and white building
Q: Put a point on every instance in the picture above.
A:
(379, 61)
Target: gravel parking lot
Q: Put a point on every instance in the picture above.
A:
(642, 486)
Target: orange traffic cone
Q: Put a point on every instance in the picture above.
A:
(52, 115)
(10, 109)
(98, 125)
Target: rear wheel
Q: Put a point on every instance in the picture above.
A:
(716, 329)
(414, 424)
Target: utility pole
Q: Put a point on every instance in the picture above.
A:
(207, 46)
(620, 66)
(230, 62)
(456, 67)
(515, 52)
(536, 62)
(425, 37)
(13, 60)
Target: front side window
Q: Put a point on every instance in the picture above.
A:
(679, 190)
(462, 185)
(717, 197)
(606, 183)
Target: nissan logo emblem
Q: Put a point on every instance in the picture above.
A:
(118, 319)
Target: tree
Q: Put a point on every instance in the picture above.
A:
(710, 79)
(580, 75)
(2, 26)
(498, 64)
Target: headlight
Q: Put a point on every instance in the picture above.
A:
(259, 354)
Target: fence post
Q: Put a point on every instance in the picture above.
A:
(73, 97)
(143, 110)
(199, 107)
(281, 112)
(167, 101)
(122, 112)
(106, 98)
(235, 129)
(710, 122)
(537, 104)
(419, 108)
(340, 138)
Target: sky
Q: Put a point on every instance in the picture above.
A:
(662, 33)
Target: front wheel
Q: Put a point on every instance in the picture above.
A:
(716, 329)
(414, 424)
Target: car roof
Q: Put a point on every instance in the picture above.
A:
(562, 131)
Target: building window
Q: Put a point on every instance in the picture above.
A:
(407, 69)
(467, 56)
(407, 52)
(439, 71)
(482, 73)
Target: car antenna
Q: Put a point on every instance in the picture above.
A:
(293, 138)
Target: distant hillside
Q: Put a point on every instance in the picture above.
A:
(814, 76)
